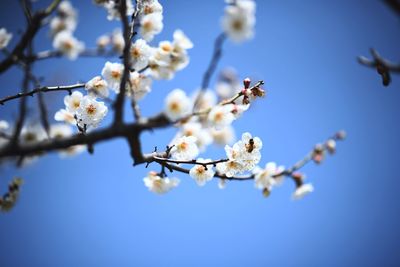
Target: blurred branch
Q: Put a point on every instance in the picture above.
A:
(383, 66)
(216, 56)
(33, 27)
(394, 5)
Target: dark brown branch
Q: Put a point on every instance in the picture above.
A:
(394, 5)
(383, 66)
(159, 158)
(132, 130)
(67, 88)
(89, 52)
(119, 102)
(216, 56)
(29, 34)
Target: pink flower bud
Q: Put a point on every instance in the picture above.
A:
(246, 83)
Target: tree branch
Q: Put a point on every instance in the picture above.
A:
(67, 88)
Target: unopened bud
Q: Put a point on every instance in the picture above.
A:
(266, 192)
(331, 146)
(246, 83)
(341, 135)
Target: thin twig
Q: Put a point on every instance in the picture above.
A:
(216, 56)
(67, 88)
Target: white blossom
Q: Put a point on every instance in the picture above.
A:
(65, 116)
(200, 173)
(151, 25)
(117, 41)
(66, 9)
(181, 41)
(73, 101)
(205, 99)
(112, 73)
(68, 45)
(4, 127)
(302, 191)
(140, 54)
(221, 116)
(60, 131)
(5, 38)
(223, 136)
(90, 111)
(59, 24)
(112, 9)
(265, 178)
(152, 6)
(239, 109)
(177, 105)
(239, 20)
(222, 184)
(103, 41)
(243, 156)
(98, 87)
(196, 129)
(185, 148)
(139, 85)
(159, 185)
(31, 134)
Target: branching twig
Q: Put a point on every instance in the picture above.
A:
(383, 66)
(217, 53)
(67, 88)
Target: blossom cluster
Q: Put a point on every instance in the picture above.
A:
(62, 28)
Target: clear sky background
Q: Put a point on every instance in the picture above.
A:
(95, 210)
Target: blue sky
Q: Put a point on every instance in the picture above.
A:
(95, 210)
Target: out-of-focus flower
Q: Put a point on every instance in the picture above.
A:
(159, 185)
(177, 105)
(68, 45)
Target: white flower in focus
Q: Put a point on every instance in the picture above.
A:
(68, 45)
(302, 191)
(90, 112)
(140, 54)
(139, 85)
(223, 136)
(117, 41)
(181, 41)
(73, 101)
(159, 185)
(265, 178)
(185, 148)
(230, 168)
(112, 73)
(65, 116)
(98, 87)
(200, 173)
(103, 41)
(177, 105)
(151, 25)
(221, 116)
(5, 38)
(239, 20)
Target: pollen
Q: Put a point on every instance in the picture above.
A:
(91, 109)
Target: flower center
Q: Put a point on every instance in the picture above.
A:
(91, 109)
(115, 74)
(237, 25)
(174, 106)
